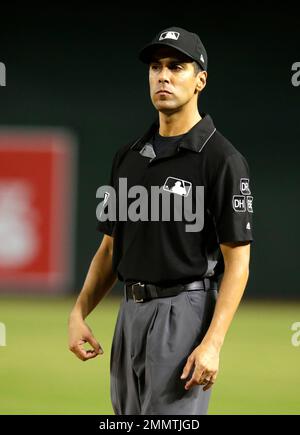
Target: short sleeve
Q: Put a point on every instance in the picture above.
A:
(231, 203)
(107, 226)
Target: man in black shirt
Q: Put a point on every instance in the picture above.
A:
(177, 219)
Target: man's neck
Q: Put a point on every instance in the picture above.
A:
(177, 123)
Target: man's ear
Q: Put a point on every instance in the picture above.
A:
(201, 80)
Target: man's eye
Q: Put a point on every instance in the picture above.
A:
(176, 66)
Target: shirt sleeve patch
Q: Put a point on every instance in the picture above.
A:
(239, 203)
(244, 186)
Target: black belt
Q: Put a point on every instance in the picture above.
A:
(140, 292)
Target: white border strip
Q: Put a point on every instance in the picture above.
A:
(207, 140)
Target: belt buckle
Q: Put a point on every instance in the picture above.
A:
(133, 294)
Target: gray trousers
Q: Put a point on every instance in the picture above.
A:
(151, 343)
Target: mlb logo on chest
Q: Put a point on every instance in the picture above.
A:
(177, 185)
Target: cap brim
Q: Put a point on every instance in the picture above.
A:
(147, 52)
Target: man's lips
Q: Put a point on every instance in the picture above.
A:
(163, 91)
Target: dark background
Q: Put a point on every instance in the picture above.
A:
(77, 67)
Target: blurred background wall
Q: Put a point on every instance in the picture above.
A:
(76, 68)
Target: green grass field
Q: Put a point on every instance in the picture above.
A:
(259, 370)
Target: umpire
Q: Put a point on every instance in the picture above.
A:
(182, 283)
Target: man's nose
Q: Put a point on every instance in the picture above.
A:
(164, 75)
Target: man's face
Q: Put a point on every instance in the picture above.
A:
(172, 80)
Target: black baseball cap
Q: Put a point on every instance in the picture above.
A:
(180, 39)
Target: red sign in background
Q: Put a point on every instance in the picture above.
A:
(37, 214)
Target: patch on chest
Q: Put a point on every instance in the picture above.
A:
(177, 185)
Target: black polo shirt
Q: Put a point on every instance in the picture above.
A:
(164, 252)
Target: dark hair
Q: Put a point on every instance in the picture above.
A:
(197, 67)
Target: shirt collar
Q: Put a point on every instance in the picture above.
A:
(195, 139)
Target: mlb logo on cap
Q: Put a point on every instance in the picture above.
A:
(169, 35)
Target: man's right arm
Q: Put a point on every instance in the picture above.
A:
(99, 280)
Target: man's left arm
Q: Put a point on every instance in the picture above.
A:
(205, 357)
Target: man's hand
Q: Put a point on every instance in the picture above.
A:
(205, 361)
(80, 333)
